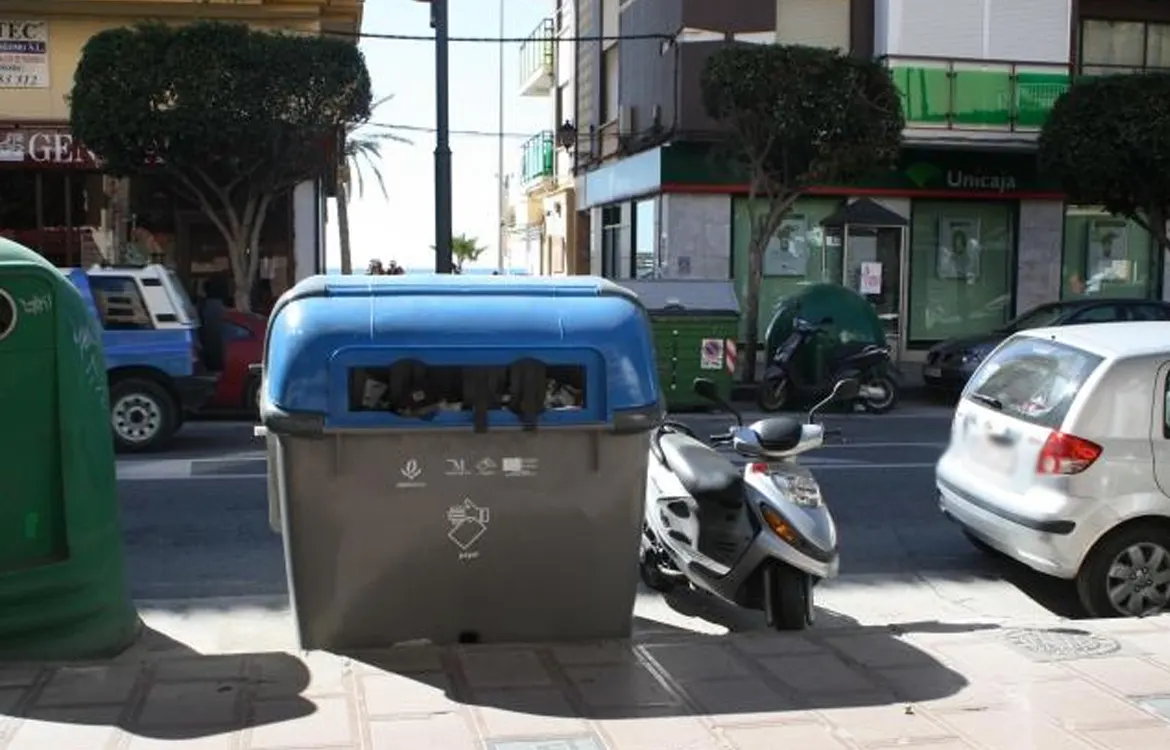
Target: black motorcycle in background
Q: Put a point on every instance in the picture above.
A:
(870, 364)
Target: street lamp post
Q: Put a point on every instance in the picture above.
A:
(443, 261)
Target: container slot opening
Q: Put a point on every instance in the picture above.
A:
(411, 388)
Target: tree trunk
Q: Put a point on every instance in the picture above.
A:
(751, 313)
(343, 229)
(238, 254)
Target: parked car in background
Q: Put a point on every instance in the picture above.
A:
(243, 345)
(150, 338)
(1059, 457)
(950, 363)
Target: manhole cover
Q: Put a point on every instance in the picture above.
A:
(553, 743)
(1060, 644)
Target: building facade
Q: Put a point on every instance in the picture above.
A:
(961, 236)
(548, 70)
(54, 196)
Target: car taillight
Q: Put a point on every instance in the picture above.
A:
(1065, 454)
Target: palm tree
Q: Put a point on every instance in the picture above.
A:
(361, 151)
(464, 249)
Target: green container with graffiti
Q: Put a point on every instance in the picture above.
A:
(695, 327)
(63, 591)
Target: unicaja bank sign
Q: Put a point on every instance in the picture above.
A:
(32, 146)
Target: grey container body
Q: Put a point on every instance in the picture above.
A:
(397, 536)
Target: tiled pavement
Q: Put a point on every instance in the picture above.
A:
(924, 686)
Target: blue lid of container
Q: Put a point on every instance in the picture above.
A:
(327, 327)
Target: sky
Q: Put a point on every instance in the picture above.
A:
(401, 227)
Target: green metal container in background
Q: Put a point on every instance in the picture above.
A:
(695, 324)
(63, 591)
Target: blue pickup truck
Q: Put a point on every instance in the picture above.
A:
(151, 342)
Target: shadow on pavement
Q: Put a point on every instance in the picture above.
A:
(664, 671)
(159, 688)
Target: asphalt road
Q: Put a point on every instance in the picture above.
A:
(196, 516)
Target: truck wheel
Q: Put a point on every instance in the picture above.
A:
(788, 598)
(143, 415)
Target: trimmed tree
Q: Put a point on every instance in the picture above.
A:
(230, 117)
(1107, 142)
(796, 117)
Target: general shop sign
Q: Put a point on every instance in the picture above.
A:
(44, 146)
(24, 54)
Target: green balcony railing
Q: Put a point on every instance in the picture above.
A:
(537, 158)
(536, 52)
(977, 94)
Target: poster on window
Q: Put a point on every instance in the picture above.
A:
(24, 54)
(1107, 254)
(871, 278)
(787, 253)
(959, 249)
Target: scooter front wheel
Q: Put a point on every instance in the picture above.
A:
(788, 598)
(772, 395)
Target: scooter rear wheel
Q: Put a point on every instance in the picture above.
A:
(788, 598)
(773, 396)
(653, 577)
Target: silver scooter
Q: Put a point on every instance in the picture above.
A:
(761, 538)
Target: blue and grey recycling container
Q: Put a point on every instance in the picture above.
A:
(459, 459)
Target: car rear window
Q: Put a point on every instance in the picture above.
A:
(1032, 379)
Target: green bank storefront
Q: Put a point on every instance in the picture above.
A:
(950, 243)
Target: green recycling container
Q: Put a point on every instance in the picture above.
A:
(695, 324)
(63, 591)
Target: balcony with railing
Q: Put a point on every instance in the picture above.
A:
(537, 160)
(536, 60)
(972, 98)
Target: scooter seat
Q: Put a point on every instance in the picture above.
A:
(778, 433)
(699, 469)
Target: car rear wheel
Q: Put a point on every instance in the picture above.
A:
(143, 414)
(1127, 574)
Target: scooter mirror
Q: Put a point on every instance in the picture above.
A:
(846, 389)
(705, 388)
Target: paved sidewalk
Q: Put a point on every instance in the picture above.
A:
(925, 686)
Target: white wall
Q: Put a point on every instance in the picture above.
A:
(1039, 255)
(814, 23)
(308, 231)
(695, 241)
(1016, 30)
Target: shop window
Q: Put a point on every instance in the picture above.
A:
(614, 247)
(962, 265)
(1107, 256)
(18, 207)
(646, 239)
(411, 388)
(800, 254)
(119, 303)
(47, 211)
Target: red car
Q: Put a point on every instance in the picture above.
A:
(243, 345)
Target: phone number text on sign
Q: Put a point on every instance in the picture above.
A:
(24, 54)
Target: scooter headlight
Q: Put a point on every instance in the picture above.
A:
(803, 491)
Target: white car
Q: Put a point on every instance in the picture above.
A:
(1059, 457)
